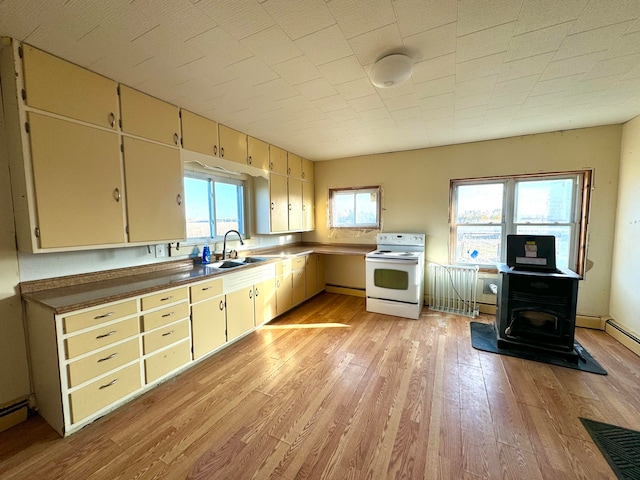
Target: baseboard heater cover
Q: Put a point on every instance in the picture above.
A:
(453, 289)
(623, 331)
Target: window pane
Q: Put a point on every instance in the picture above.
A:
(478, 244)
(563, 239)
(544, 201)
(367, 208)
(479, 203)
(344, 214)
(197, 207)
(228, 203)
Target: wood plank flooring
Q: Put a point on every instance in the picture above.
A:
(330, 391)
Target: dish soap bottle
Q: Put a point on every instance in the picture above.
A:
(206, 255)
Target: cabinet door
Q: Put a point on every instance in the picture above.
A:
(311, 275)
(322, 282)
(294, 165)
(279, 203)
(233, 145)
(258, 152)
(295, 204)
(77, 182)
(284, 293)
(55, 85)
(308, 203)
(239, 312)
(148, 117)
(298, 293)
(199, 134)
(277, 160)
(265, 301)
(208, 326)
(307, 170)
(153, 176)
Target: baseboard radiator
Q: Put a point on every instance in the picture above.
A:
(453, 289)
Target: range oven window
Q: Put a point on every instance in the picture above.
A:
(485, 211)
(390, 278)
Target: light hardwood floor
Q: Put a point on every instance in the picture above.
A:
(331, 391)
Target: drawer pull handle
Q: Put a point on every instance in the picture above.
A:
(257, 292)
(206, 288)
(166, 298)
(108, 358)
(103, 316)
(167, 314)
(109, 384)
(221, 305)
(250, 293)
(106, 334)
(167, 333)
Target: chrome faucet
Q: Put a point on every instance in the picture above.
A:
(224, 242)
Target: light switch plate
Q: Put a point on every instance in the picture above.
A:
(161, 250)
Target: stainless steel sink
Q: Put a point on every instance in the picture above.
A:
(236, 262)
(252, 259)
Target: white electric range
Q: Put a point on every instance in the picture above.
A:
(395, 275)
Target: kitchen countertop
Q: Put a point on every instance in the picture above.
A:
(67, 294)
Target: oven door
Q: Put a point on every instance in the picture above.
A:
(392, 279)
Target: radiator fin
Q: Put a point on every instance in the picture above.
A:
(453, 289)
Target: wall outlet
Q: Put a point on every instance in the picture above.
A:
(486, 285)
(161, 250)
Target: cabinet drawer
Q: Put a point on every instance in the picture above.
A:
(101, 337)
(76, 322)
(205, 290)
(167, 361)
(103, 392)
(298, 262)
(283, 267)
(102, 362)
(165, 336)
(166, 315)
(163, 298)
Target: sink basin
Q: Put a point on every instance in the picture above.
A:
(225, 264)
(251, 259)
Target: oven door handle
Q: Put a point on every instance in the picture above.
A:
(395, 261)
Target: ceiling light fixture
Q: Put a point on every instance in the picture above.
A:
(391, 71)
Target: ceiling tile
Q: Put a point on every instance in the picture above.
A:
(613, 66)
(509, 87)
(370, 102)
(540, 41)
(434, 68)
(606, 12)
(328, 104)
(272, 46)
(324, 46)
(484, 43)
(480, 67)
(358, 17)
(524, 67)
(627, 44)
(435, 87)
(297, 18)
(437, 101)
(432, 43)
(375, 114)
(356, 89)
(344, 70)
(297, 70)
(474, 16)
(590, 41)
(415, 16)
(315, 89)
(483, 85)
(218, 44)
(371, 46)
(240, 18)
(571, 66)
(538, 14)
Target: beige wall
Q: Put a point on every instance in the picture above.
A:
(416, 191)
(625, 275)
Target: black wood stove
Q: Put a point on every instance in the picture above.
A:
(537, 310)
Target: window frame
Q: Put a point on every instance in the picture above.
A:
(355, 190)
(508, 225)
(212, 179)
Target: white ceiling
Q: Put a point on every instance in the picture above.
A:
(295, 72)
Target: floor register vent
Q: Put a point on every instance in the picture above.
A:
(453, 289)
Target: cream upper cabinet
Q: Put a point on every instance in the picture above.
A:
(308, 207)
(57, 86)
(233, 144)
(78, 183)
(277, 160)
(307, 170)
(294, 187)
(208, 325)
(279, 203)
(199, 134)
(148, 117)
(240, 312)
(258, 153)
(294, 165)
(155, 196)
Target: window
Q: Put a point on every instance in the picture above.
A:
(213, 206)
(355, 207)
(484, 212)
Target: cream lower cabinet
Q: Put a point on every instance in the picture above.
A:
(264, 301)
(298, 270)
(314, 274)
(284, 286)
(240, 317)
(208, 317)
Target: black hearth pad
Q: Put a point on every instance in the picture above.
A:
(619, 446)
(484, 337)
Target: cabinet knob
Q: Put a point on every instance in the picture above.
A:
(116, 195)
(221, 305)
(250, 293)
(273, 206)
(215, 150)
(302, 174)
(250, 160)
(112, 119)
(288, 171)
(270, 165)
(222, 152)
(175, 138)
(289, 206)
(179, 199)
(257, 292)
